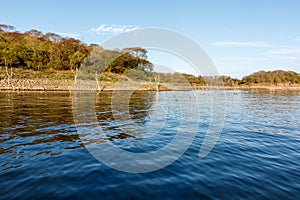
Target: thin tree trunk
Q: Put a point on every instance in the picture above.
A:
(74, 71)
(9, 74)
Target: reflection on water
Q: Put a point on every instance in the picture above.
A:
(34, 124)
(257, 156)
(136, 109)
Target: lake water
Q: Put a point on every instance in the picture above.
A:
(256, 157)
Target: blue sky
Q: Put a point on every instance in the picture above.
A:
(241, 37)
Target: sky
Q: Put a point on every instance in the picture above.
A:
(241, 37)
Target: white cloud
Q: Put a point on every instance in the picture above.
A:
(112, 29)
(241, 44)
(241, 60)
(233, 61)
(70, 35)
(284, 54)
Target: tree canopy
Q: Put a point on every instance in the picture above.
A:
(272, 77)
(37, 51)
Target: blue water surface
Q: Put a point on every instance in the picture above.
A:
(256, 157)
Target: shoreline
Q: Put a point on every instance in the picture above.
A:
(46, 84)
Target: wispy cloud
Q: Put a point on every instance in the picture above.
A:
(113, 29)
(70, 35)
(241, 44)
(240, 60)
(284, 54)
(277, 54)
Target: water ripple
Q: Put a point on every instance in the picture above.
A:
(257, 156)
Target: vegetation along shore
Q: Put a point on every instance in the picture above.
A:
(48, 62)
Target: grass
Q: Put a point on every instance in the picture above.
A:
(19, 73)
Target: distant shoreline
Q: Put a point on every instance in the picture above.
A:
(46, 84)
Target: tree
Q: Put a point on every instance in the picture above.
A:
(277, 80)
(137, 52)
(6, 28)
(75, 61)
(34, 33)
(140, 59)
(53, 37)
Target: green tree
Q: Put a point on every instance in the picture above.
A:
(75, 61)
